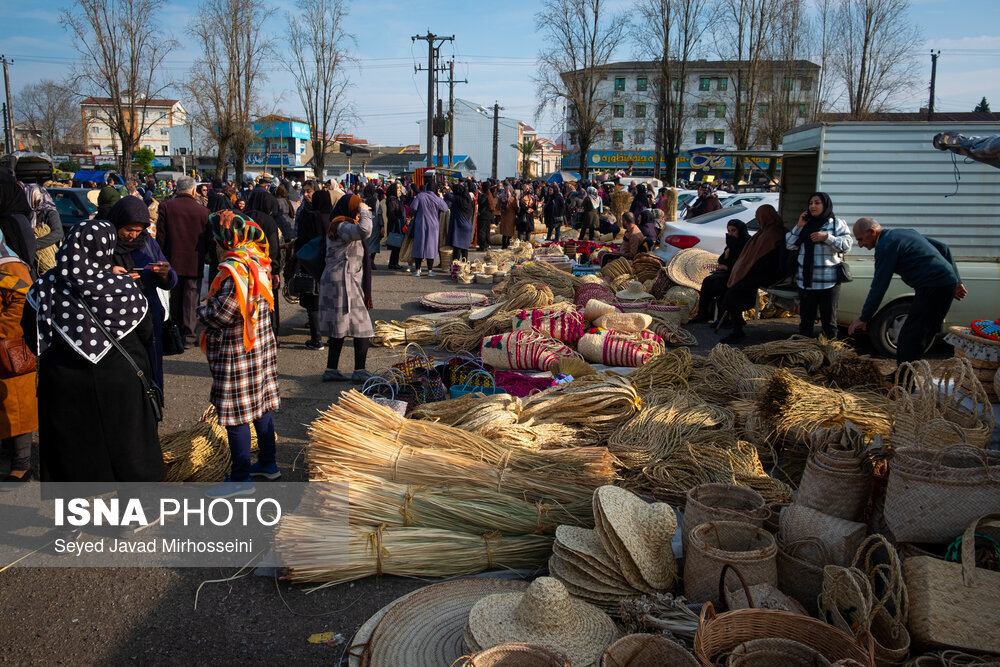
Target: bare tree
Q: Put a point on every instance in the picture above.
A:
(123, 48)
(669, 33)
(745, 28)
(317, 41)
(873, 62)
(225, 78)
(827, 94)
(49, 112)
(582, 36)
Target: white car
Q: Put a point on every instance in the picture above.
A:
(706, 232)
(771, 198)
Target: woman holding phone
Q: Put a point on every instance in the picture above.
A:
(139, 255)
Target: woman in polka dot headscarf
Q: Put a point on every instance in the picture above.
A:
(95, 421)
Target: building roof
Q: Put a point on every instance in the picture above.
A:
(697, 66)
(917, 117)
(104, 101)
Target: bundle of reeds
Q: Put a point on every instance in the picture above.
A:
(657, 432)
(560, 282)
(789, 403)
(810, 353)
(600, 403)
(849, 370)
(472, 411)
(313, 550)
(369, 438)
(618, 202)
(669, 480)
(459, 335)
(412, 330)
(199, 453)
(375, 501)
(667, 369)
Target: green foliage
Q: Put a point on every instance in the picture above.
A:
(69, 165)
(983, 105)
(106, 166)
(143, 159)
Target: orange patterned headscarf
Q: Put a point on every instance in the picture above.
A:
(246, 260)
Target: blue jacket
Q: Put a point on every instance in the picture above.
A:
(920, 261)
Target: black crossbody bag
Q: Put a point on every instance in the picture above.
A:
(152, 392)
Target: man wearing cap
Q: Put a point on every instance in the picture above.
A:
(926, 265)
(705, 203)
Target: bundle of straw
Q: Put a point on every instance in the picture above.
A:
(657, 432)
(459, 335)
(600, 403)
(412, 330)
(811, 353)
(618, 202)
(560, 282)
(312, 551)
(375, 501)
(472, 411)
(369, 438)
(659, 613)
(850, 370)
(667, 369)
(199, 453)
(736, 372)
(690, 465)
(789, 403)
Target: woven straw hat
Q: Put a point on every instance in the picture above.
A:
(691, 266)
(634, 292)
(585, 545)
(518, 654)
(595, 309)
(685, 297)
(544, 614)
(644, 530)
(426, 627)
(569, 574)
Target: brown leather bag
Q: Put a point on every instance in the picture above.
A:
(15, 358)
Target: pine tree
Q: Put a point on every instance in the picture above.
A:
(983, 105)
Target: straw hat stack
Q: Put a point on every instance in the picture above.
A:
(627, 555)
(546, 615)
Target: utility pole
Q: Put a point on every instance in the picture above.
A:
(451, 112)
(496, 137)
(930, 105)
(8, 116)
(440, 135)
(431, 39)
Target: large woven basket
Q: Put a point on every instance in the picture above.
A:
(800, 569)
(954, 605)
(718, 635)
(841, 537)
(716, 544)
(645, 650)
(517, 654)
(721, 502)
(775, 652)
(933, 495)
(839, 492)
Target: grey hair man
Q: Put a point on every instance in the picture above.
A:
(923, 263)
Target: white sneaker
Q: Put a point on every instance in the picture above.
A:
(430, 274)
(417, 273)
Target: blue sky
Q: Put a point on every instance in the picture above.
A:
(495, 47)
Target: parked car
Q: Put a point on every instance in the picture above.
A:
(706, 232)
(73, 205)
(772, 198)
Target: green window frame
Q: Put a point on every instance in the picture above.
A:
(803, 110)
(641, 83)
(704, 83)
(617, 136)
(619, 83)
(723, 83)
(640, 110)
(763, 109)
(700, 136)
(720, 137)
(677, 84)
(702, 111)
(618, 111)
(720, 110)
(786, 83)
(640, 137)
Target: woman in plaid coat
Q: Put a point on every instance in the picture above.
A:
(241, 349)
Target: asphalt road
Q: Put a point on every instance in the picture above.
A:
(116, 616)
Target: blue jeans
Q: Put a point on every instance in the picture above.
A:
(239, 445)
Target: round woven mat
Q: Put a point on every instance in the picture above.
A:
(426, 627)
(453, 300)
(691, 266)
(362, 637)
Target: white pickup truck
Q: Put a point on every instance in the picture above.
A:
(891, 171)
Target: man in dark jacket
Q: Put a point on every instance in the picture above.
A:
(926, 265)
(705, 203)
(180, 226)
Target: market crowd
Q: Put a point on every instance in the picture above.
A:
(101, 304)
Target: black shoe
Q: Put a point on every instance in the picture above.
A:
(315, 345)
(27, 477)
(395, 267)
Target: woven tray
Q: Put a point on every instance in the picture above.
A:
(453, 300)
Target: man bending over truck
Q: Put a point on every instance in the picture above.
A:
(926, 265)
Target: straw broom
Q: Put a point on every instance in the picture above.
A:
(789, 403)
(367, 437)
(312, 550)
(374, 501)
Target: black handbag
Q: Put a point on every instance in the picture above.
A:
(173, 341)
(394, 240)
(152, 392)
(844, 273)
(304, 284)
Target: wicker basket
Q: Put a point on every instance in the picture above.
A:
(775, 652)
(517, 654)
(721, 502)
(719, 634)
(716, 544)
(800, 570)
(645, 650)
(841, 537)
(839, 492)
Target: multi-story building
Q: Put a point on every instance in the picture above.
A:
(103, 143)
(629, 91)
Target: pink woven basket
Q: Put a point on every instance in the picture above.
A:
(523, 350)
(564, 325)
